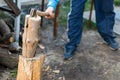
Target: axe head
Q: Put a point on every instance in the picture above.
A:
(33, 12)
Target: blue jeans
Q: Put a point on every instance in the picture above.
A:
(104, 18)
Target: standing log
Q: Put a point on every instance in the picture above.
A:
(30, 68)
(31, 36)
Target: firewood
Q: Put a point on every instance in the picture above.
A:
(4, 31)
(31, 36)
(7, 59)
(30, 65)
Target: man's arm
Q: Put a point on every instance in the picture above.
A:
(51, 7)
(53, 3)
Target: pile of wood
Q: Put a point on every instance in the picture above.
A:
(6, 38)
(8, 59)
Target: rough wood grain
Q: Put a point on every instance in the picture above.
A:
(31, 36)
(30, 68)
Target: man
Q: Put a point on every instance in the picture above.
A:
(105, 18)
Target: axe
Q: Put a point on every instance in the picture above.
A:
(35, 12)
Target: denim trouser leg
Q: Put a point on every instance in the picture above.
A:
(105, 18)
(75, 18)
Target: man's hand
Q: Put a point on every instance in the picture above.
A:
(50, 10)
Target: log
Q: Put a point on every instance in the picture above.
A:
(7, 59)
(30, 36)
(10, 22)
(13, 6)
(30, 68)
(4, 32)
(4, 28)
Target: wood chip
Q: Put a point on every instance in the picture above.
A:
(56, 71)
(48, 67)
(41, 46)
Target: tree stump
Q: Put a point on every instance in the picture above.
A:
(30, 66)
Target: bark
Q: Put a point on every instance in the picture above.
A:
(13, 6)
(30, 68)
(4, 32)
(4, 28)
(7, 59)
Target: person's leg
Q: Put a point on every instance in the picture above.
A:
(105, 18)
(75, 18)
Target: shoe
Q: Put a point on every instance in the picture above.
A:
(69, 54)
(68, 59)
(112, 44)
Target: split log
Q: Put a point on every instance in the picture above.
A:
(30, 36)
(30, 68)
(7, 59)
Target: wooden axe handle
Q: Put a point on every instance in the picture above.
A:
(41, 13)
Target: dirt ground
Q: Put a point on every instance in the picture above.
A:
(93, 60)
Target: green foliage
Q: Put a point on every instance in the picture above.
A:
(117, 2)
(86, 26)
(87, 5)
(64, 9)
(13, 73)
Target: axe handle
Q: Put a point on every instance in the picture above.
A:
(41, 13)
